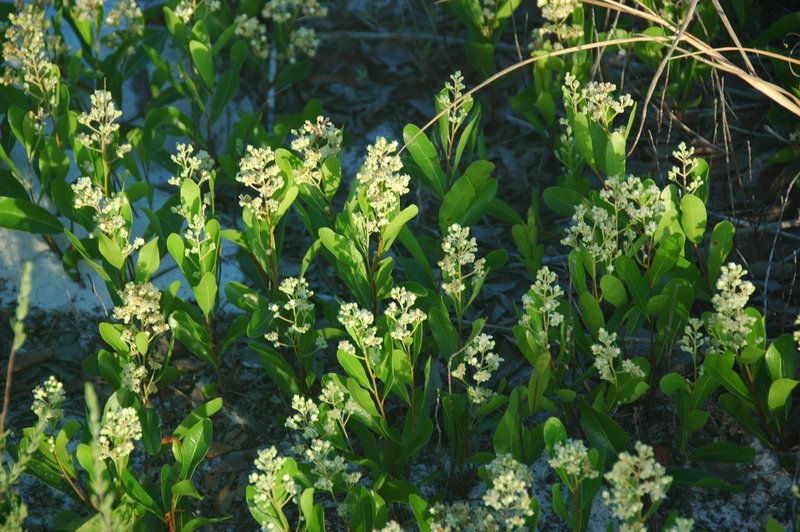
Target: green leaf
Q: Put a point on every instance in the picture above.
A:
(686, 477)
(719, 367)
(112, 337)
(562, 200)
(206, 292)
(110, 251)
(773, 525)
(424, 154)
(139, 494)
(780, 392)
(720, 245)
(629, 273)
(22, 215)
(781, 357)
(469, 197)
(313, 514)
(203, 62)
(591, 312)
(391, 231)
(185, 488)
(723, 452)
(615, 154)
(667, 254)
(672, 382)
(204, 411)
(151, 430)
(613, 290)
(693, 217)
(420, 508)
(148, 261)
(192, 335)
(194, 447)
(554, 432)
(354, 368)
(603, 432)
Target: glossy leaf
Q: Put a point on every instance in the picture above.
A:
(693, 217)
(779, 393)
(203, 62)
(723, 452)
(22, 215)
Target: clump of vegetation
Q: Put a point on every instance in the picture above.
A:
(373, 297)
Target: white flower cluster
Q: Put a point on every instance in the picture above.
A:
(391, 526)
(258, 171)
(200, 169)
(641, 203)
(327, 464)
(186, 9)
(573, 458)
(107, 216)
(285, 10)
(681, 524)
(121, 427)
(797, 332)
(135, 376)
(509, 495)
(87, 10)
(461, 517)
(556, 13)
(26, 53)
(305, 417)
(555, 10)
(693, 339)
(48, 399)
(297, 311)
(303, 39)
(459, 254)
(729, 320)
(197, 168)
(267, 479)
(479, 356)
(683, 175)
(316, 142)
(101, 122)
(540, 305)
(599, 230)
(402, 318)
(596, 100)
(488, 13)
(606, 352)
(141, 307)
(340, 406)
(358, 323)
(127, 17)
(633, 479)
(453, 90)
(255, 32)
(595, 230)
(382, 183)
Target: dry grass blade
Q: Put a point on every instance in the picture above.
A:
(705, 53)
(713, 56)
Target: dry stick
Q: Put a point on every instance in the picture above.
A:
(784, 202)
